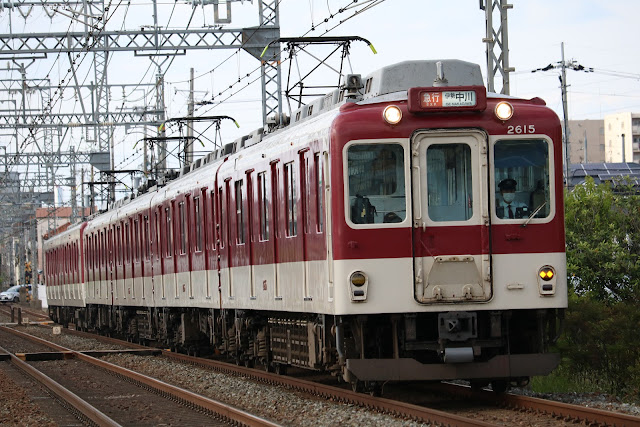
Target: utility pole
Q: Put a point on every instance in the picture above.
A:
(565, 114)
(586, 158)
(162, 133)
(188, 145)
(564, 65)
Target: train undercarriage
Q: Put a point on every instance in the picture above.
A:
(497, 347)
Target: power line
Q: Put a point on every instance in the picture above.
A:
(563, 66)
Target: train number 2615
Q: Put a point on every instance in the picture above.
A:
(516, 130)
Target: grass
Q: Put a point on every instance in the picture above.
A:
(563, 381)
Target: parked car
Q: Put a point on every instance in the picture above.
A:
(13, 294)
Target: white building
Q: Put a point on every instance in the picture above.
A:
(622, 130)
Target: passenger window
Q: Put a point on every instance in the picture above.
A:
(263, 206)
(376, 190)
(319, 184)
(147, 237)
(239, 214)
(291, 199)
(449, 182)
(198, 221)
(522, 179)
(183, 228)
(169, 233)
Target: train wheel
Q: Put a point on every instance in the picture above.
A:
(374, 388)
(281, 369)
(499, 386)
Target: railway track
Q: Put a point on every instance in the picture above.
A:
(559, 410)
(16, 313)
(544, 411)
(105, 394)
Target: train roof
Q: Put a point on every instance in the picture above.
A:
(388, 83)
(65, 236)
(392, 79)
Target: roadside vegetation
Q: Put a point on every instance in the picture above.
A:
(600, 346)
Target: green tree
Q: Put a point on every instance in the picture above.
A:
(601, 344)
(603, 241)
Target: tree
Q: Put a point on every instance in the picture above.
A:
(601, 343)
(603, 241)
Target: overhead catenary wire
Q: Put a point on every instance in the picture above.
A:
(57, 95)
(223, 97)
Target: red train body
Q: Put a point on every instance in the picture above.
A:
(369, 238)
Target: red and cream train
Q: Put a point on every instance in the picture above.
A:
(368, 237)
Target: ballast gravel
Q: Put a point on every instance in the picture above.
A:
(275, 403)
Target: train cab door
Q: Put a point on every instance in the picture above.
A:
(451, 222)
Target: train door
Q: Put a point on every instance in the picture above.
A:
(119, 262)
(110, 261)
(224, 247)
(103, 290)
(184, 288)
(157, 290)
(277, 233)
(307, 215)
(211, 235)
(249, 229)
(197, 245)
(263, 244)
(452, 260)
(146, 242)
(167, 230)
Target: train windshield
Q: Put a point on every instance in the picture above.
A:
(522, 178)
(376, 177)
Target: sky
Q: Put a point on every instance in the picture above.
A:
(602, 35)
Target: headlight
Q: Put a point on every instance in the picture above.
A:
(504, 110)
(392, 115)
(358, 279)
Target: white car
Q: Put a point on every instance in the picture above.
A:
(11, 295)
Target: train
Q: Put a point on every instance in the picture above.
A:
(366, 236)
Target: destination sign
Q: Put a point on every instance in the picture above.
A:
(459, 98)
(447, 99)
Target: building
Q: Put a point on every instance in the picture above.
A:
(586, 141)
(622, 137)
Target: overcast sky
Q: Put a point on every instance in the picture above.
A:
(601, 34)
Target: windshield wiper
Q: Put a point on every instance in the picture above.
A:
(524, 224)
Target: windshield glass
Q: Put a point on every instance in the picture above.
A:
(15, 288)
(376, 192)
(522, 179)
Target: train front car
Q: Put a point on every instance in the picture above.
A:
(448, 229)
